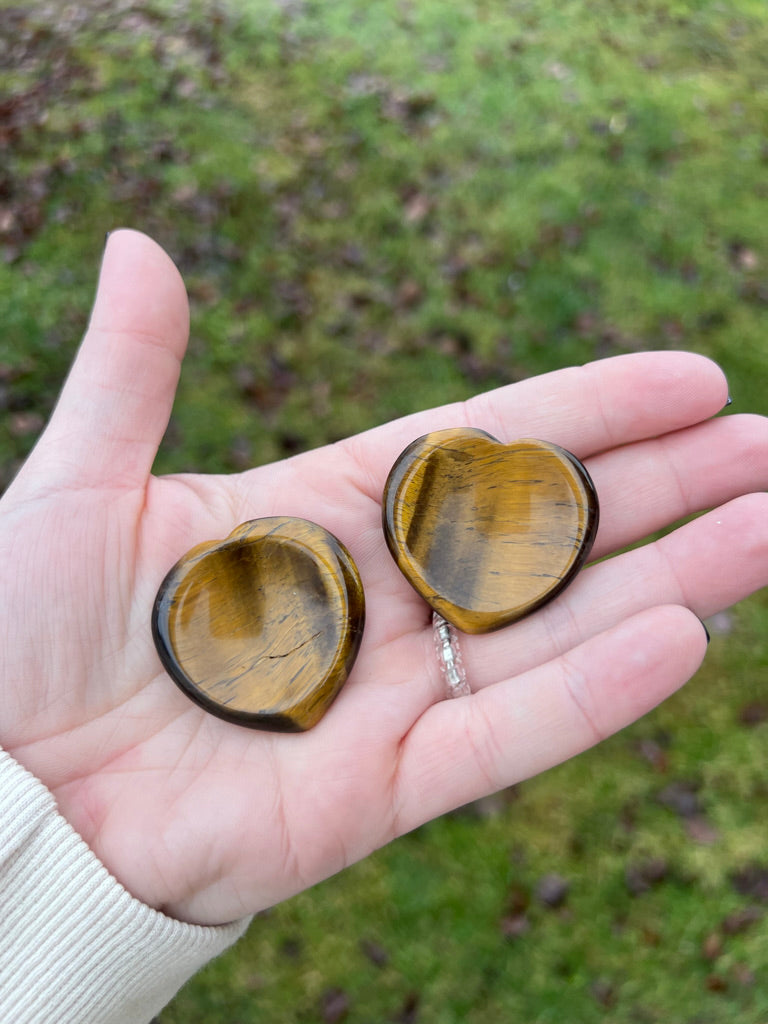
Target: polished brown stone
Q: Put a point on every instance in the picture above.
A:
(262, 628)
(488, 532)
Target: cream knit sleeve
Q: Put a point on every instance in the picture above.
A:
(75, 947)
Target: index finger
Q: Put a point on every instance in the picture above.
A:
(586, 409)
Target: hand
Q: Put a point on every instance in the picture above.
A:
(209, 821)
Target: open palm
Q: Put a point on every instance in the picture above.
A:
(209, 821)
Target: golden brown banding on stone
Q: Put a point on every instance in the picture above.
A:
(262, 628)
(488, 532)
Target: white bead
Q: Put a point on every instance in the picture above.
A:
(449, 656)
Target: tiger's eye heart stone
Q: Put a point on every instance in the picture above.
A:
(488, 532)
(262, 628)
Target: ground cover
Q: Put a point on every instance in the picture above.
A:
(378, 207)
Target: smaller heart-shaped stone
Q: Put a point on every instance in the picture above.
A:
(262, 628)
(488, 532)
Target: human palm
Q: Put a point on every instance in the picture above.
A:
(209, 821)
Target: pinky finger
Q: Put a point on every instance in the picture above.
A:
(461, 750)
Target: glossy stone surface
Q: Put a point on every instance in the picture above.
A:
(488, 532)
(262, 628)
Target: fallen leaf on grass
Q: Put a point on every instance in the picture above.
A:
(552, 890)
(742, 257)
(25, 424)
(752, 881)
(701, 831)
(740, 920)
(417, 208)
(654, 753)
(374, 952)
(334, 1005)
(642, 876)
(604, 992)
(754, 713)
(682, 798)
(515, 926)
(409, 1011)
(712, 946)
(743, 975)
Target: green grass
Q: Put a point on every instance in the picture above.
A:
(379, 207)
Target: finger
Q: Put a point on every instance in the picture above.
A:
(116, 402)
(586, 409)
(612, 402)
(643, 488)
(708, 564)
(646, 486)
(460, 750)
(722, 557)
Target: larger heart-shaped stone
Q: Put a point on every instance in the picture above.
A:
(488, 532)
(262, 628)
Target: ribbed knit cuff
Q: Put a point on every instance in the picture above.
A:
(75, 947)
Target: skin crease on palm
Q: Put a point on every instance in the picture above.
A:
(209, 821)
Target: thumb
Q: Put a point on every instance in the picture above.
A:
(116, 402)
